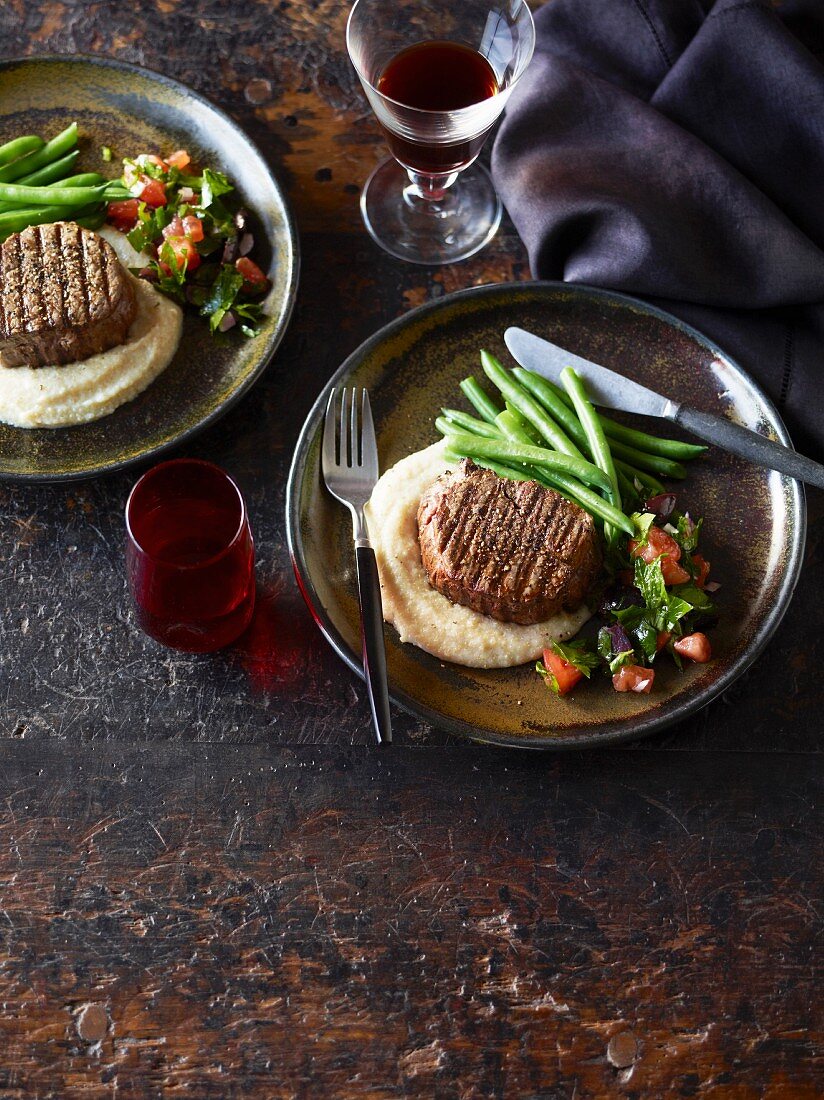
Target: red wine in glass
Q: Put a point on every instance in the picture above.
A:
(190, 556)
(437, 76)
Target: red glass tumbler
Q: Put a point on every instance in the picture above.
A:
(190, 556)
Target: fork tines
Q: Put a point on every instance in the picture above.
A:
(349, 432)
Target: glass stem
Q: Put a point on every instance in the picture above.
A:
(429, 194)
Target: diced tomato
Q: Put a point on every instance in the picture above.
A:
(193, 228)
(695, 647)
(185, 252)
(123, 215)
(174, 228)
(658, 542)
(703, 567)
(153, 192)
(254, 281)
(566, 675)
(634, 678)
(662, 639)
(189, 227)
(673, 573)
(179, 159)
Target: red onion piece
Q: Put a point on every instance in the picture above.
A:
(711, 586)
(229, 321)
(186, 194)
(230, 250)
(619, 638)
(662, 505)
(247, 243)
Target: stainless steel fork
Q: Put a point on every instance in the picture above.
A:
(350, 469)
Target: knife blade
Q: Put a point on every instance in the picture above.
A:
(611, 390)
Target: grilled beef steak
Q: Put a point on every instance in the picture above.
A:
(509, 549)
(63, 296)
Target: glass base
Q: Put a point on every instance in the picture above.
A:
(425, 231)
(200, 636)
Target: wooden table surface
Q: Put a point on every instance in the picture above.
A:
(212, 885)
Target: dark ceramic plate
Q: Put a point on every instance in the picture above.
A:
(754, 519)
(132, 111)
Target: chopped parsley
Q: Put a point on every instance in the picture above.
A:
(191, 231)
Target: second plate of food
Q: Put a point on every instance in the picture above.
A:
(131, 111)
(754, 519)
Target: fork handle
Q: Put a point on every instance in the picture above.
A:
(374, 652)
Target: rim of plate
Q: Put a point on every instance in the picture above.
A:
(291, 291)
(645, 725)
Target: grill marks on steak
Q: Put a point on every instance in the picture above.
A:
(513, 550)
(63, 296)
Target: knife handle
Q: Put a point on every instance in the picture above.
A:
(374, 651)
(750, 445)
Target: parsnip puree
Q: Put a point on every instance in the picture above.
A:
(52, 397)
(421, 614)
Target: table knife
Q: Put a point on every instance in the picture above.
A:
(614, 391)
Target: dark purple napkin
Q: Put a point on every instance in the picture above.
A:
(674, 149)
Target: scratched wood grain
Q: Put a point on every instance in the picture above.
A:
(209, 888)
(73, 664)
(204, 921)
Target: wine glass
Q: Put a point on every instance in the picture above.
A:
(437, 75)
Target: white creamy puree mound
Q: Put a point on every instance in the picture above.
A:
(53, 397)
(421, 614)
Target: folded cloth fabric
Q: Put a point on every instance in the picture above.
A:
(674, 149)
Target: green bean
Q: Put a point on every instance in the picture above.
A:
(625, 486)
(40, 157)
(15, 221)
(480, 400)
(83, 179)
(470, 423)
(447, 426)
(599, 448)
(507, 452)
(647, 480)
(511, 425)
(570, 487)
(656, 464)
(19, 147)
(21, 195)
(529, 433)
(509, 472)
(547, 393)
(52, 173)
(116, 192)
(528, 406)
(666, 448)
(554, 401)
